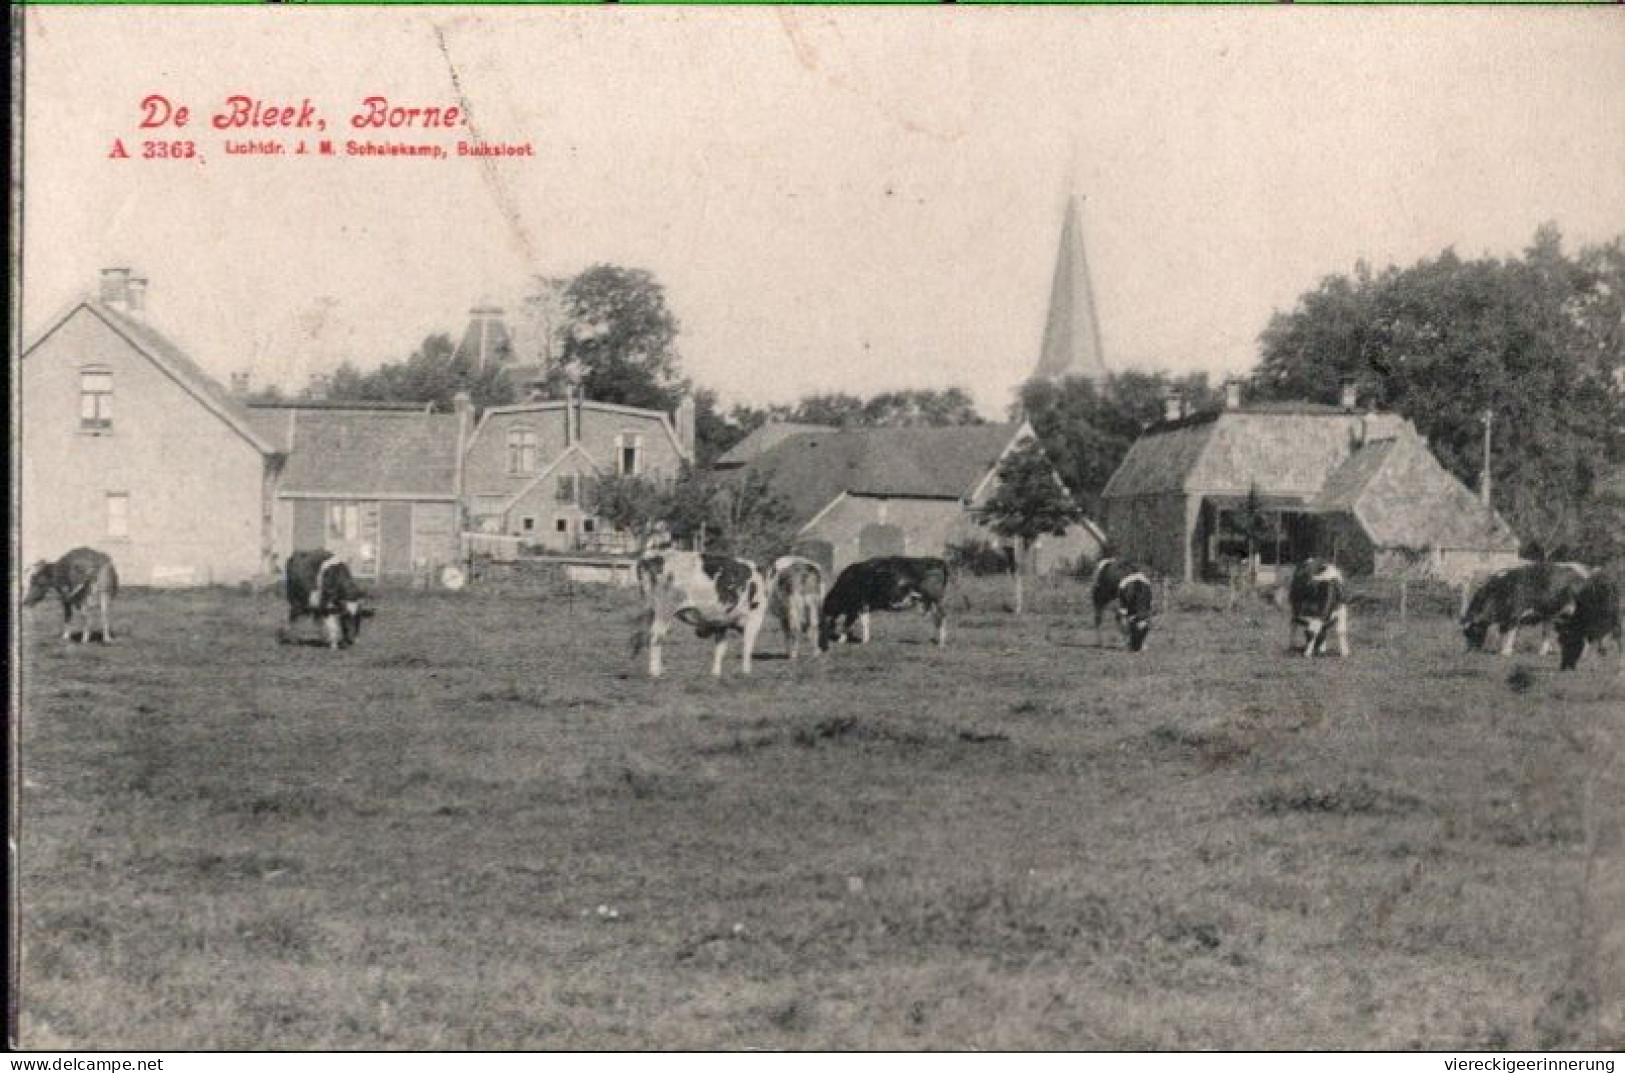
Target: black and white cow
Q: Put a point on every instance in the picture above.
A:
(1124, 588)
(319, 584)
(715, 594)
(796, 588)
(1590, 618)
(80, 579)
(1319, 604)
(1521, 596)
(893, 583)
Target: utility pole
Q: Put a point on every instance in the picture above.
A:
(1488, 418)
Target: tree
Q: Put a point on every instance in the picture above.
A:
(1538, 340)
(620, 339)
(1028, 503)
(434, 373)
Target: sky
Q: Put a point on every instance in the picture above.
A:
(835, 199)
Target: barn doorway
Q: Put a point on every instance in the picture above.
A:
(877, 539)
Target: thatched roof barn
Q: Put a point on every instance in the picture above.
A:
(1198, 494)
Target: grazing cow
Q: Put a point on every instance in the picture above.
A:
(80, 579)
(894, 583)
(796, 588)
(1520, 596)
(1591, 617)
(1318, 604)
(1126, 590)
(712, 593)
(319, 584)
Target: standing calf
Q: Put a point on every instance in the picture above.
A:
(1318, 604)
(796, 586)
(81, 578)
(1126, 590)
(1520, 596)
(319, 584)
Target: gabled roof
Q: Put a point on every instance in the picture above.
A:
(368, 453)
(1279, 450)
(169, 358)
(549, 405)
(761, 439)
(810, 469)
(1403, 497)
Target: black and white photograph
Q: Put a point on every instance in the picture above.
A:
(834, 529)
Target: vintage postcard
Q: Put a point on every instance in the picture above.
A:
(818, 528)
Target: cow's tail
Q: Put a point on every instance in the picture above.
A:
(641, 627)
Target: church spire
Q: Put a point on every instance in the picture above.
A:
(1072, 332)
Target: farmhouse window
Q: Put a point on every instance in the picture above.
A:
(95, 399)
(567, 487)
(589, 525)
(343, 521)
(629, 454)
(561, 525)
(527, 524)
(521, 450)
(118, 515)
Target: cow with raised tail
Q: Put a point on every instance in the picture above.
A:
(715, 594)
(796, 598)
(1521, 596)
(1589, 619)
(1320, 605)
(892, 583)
(319, 584)
(1124, 588)
(82, 579)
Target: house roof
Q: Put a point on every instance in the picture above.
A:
(763, 438)
(171, 359)
(810, 469)
(547, 405)
(1403, 497)
(368, 452)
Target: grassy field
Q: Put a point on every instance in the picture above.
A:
(483, 827)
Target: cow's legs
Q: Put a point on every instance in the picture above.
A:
(67, 621)
(331, 631)
(1545, 639)
(753, 626)
(106, 601)
(657, 633)
(718, 652)
(940, 614)
(863, 625)
(1509, 638)
(1342, 618)
(1315, 639)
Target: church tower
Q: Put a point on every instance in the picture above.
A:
(1072, 331)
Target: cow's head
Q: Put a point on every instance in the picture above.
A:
(38, 583)
(1477, 631)
(830, 632)
(1136, 629)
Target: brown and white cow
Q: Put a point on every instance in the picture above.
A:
(1320, 605)
(319, 584)
(1123, 587)
(893, 583)
(1521, 596)
(715, 594)
(796, 597)
(1589, 619)
(80, 579)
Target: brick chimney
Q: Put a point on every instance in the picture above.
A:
(242, 382)
(318, 388)
(115, 288)
(683, 420)
(1173, 404)
(1349, 400)
(136, 295)
(1232, 393)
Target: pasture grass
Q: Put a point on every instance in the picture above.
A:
(483, 827)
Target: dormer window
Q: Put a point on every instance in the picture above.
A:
(629, 454)
(521, 450)
(95, 400)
